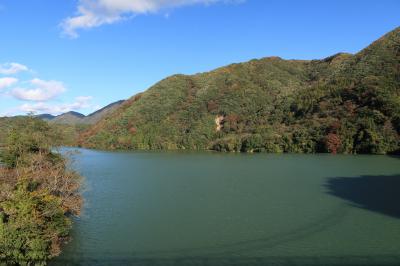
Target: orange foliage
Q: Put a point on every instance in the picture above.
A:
(332, 143)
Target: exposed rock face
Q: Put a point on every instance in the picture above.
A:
(219, 121)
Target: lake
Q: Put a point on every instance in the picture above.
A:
(200, 208)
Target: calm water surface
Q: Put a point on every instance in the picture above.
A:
(153, 208)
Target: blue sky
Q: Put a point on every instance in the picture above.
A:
(63, 55)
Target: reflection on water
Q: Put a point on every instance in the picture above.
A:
(149, 208)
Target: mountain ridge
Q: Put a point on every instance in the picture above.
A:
(343, 103)
(73, 117)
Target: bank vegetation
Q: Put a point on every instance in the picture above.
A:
(39, 194)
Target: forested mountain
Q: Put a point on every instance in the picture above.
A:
(99, 114)
(69, 118)
(344, 103)
(75, 118)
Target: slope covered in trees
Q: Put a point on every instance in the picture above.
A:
(345, 103)
(75, 118)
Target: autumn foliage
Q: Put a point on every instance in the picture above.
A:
(332, 143)
(346, 103)
(38, 194)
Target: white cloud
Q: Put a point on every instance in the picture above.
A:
(12, 68)
(7, 82)
(43, 90)
(80, 102)
(94, 13)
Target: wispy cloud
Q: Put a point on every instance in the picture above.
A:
(12, 68)
(42, 90)
(80, 102)
(7, 82)
(94, 13)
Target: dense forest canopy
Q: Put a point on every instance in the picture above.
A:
(341, 104)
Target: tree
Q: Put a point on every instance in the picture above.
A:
(27, 136)
(38, 193)
(332, 143)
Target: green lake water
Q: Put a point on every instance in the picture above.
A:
(182, 208)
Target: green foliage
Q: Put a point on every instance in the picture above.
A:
(252, 143)
(67, 134)
(30, 222)
(37, 194)
(271, 105)
(27, 135)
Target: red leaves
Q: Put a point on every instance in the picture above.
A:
(332, 143)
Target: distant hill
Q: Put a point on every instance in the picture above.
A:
(75, 118)
(103, 112)
(46, 117)
(68, 118)
(344, 103)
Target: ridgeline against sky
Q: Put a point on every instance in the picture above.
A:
(344, 103)
(61, 56)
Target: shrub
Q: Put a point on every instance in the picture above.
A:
(37, 195)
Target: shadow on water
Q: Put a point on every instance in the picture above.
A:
(375, 193)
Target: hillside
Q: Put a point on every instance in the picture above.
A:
(344, 103)
(69, 118)
(46, 117)
(75, 118)
(67, 126)
(99, 114)
(5, 124)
